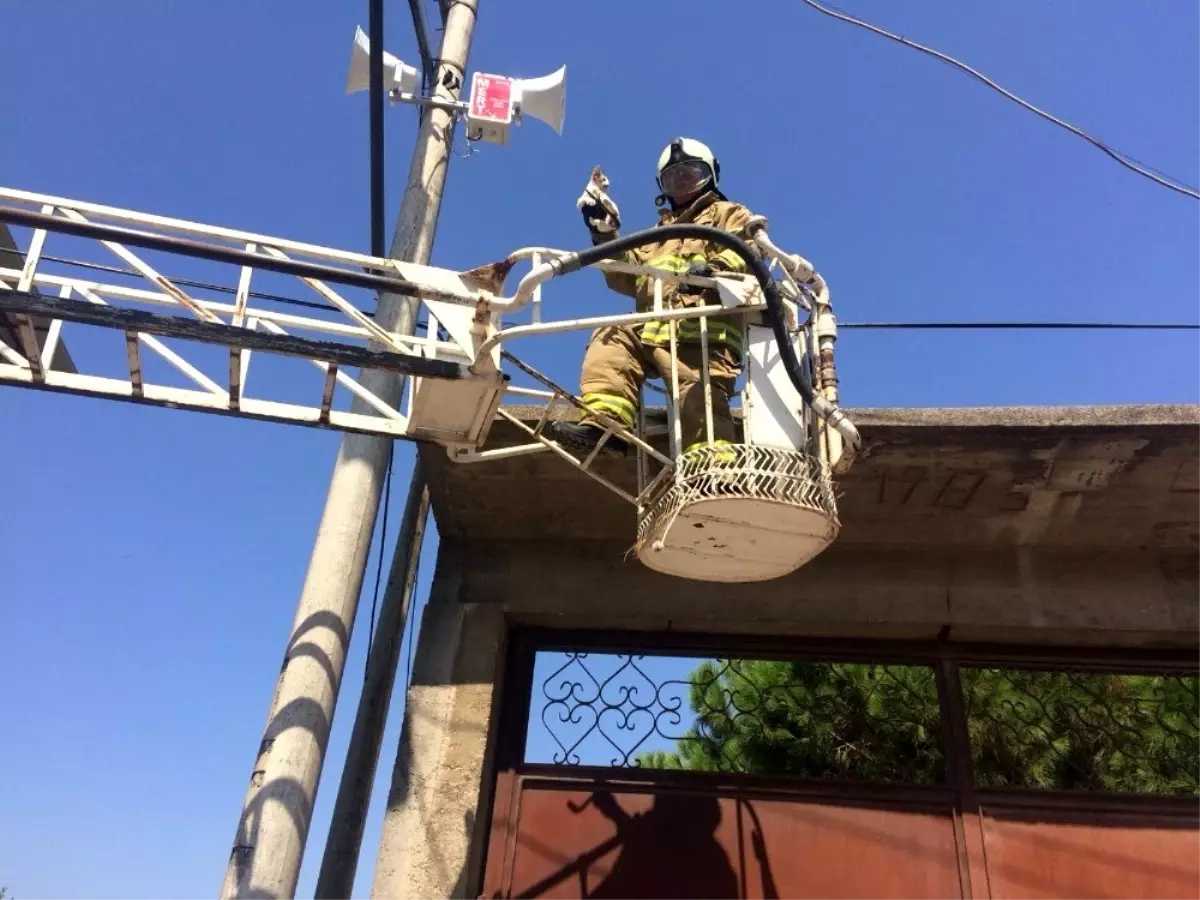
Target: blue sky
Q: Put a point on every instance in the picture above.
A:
(153, 558)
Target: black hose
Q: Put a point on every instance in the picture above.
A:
(776, 314)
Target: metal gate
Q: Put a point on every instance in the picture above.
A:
(753, 768)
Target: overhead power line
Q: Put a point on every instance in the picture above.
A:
(185, 282)
(897, 326)
(876, 325)
(1026, 326)
(387, 502)
(1124, 159)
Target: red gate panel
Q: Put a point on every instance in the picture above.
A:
(570, 841)
(1091, 854)
(821, 769)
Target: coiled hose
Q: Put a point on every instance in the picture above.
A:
(776, 314)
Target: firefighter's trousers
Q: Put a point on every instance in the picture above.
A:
(617, 361)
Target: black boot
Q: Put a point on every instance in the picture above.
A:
(583, 437)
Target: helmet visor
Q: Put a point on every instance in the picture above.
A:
(685, 178)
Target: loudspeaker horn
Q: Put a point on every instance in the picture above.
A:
(396, 75)
(544, 98)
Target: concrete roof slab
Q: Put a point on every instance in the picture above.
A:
(1071, 477)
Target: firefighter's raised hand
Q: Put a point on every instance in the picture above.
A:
(600, 214)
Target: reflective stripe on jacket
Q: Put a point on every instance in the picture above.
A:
(676, 255)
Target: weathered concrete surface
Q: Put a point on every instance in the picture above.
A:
(1060, 526)
(1069, 525)
(1057, 476)
(1014, 594)
(433, 840)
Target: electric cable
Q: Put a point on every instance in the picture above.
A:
(201, 250)
(203, 285)
(293, 301)
(1124, 159)
(1033, 326)
(408, 628)
(387, 501)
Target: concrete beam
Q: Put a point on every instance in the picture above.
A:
(1069, 477)
(1018, 594)
(972, 417)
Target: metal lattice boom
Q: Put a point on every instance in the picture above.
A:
(726, 513)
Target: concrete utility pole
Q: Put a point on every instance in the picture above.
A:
(340, 861)
(273, 829)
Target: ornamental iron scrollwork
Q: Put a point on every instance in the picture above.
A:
(1027, 728)
(1078, 731)
(806, 719)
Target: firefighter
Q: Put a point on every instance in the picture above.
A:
(619, 357)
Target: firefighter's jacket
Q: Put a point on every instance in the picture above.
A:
(676, 255)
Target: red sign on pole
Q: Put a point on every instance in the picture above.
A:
(491, 97)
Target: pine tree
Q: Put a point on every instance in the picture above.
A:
(1051, 730)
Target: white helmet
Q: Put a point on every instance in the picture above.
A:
(685, 165)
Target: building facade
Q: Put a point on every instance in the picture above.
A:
(986, 687)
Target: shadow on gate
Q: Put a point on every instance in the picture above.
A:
(667, 851)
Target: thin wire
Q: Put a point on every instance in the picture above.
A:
(408, 627)
(387, 501)
(204, 285)
(1053, 326)
(911, 326)
(1124, 159)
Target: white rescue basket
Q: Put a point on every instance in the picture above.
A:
(750, 511)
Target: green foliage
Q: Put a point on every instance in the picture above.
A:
(1049, 730)
(1070, 731)
(817, 720)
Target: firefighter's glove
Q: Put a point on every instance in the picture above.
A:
(699, 269)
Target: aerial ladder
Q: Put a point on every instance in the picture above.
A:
(756, 511)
